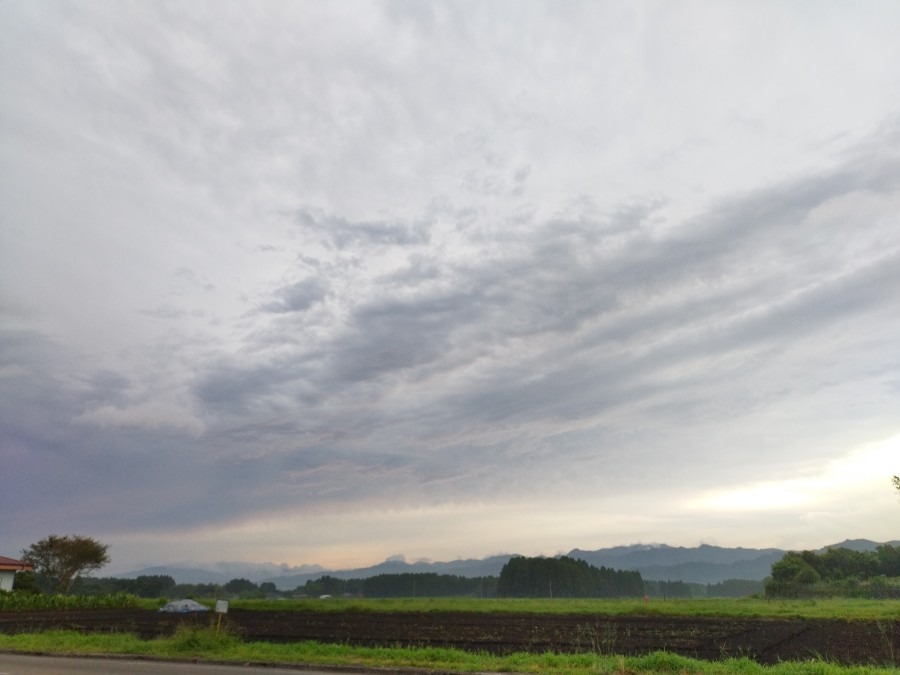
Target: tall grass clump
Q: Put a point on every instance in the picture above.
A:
(201, 640)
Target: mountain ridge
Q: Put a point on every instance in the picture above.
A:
(656, 562)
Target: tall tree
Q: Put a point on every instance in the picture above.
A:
(60, 560)
(896, 482)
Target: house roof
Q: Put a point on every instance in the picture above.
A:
(12, 565)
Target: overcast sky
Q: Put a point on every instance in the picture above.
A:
(327, 282)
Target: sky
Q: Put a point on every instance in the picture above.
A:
(325, 283)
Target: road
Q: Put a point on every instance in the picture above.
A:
(20, 664)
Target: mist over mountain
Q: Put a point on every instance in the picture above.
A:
(656, 562)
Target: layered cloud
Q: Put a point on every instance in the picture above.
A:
(440, 259)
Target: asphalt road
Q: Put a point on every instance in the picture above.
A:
(19, 664)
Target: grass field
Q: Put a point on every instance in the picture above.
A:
(205, 644)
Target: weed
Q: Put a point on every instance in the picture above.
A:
(195, 639)
(599, 638)
(886, 629)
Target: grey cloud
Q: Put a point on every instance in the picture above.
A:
(298, 297)
(582, 307)
(655, 267)
(66, 473)
(343, 233)
(421, 269)
(564, 331)
(393, 335)
(107, 387)
(234, 387)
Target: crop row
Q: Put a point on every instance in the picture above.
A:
(24, 602)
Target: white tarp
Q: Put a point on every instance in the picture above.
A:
(184, 606)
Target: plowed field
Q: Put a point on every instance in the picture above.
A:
(765, 640)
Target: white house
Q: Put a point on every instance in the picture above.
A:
(8, 569)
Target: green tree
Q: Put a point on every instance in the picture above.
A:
(194, 591)
(844, 563)
(60, 560)
(888, 560)
(149, 585)
(26, 582)
(241, 586)
(795, 568)
(896, 481)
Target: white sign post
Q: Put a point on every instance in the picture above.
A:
(221, 608)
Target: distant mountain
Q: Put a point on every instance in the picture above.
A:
(702, 572)
(463, 568)
(181, 575)
(221, 572)
(286, 578)
(859, 545)
(703, 564)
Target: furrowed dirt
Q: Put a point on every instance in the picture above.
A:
(764, 640)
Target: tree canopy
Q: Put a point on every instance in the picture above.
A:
(60, 560)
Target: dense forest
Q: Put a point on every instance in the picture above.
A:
(565, 577)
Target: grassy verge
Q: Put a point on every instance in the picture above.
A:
(204, 644)
(737, 607)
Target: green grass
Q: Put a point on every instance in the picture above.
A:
(202, 643)
(738, 607)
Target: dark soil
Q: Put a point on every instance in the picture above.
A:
(764, 640)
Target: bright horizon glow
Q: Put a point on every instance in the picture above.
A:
(862, 472)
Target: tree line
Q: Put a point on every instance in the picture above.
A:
(520, 577)
(403, 585)
(164, 586)
(730, 588)
(380, 586)
(836, 571)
